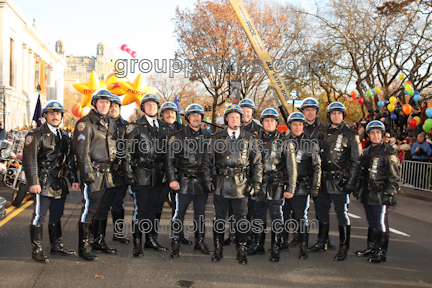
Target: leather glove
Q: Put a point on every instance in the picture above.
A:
(387, 199)
(356, 194)
(255, 189)
(129, 179)
(209, 187)
(90, 178)
(314, 193)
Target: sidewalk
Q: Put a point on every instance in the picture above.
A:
(417, 194)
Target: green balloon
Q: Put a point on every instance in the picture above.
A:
(428, 123)
(411, 92)
(368, 93)
(404, 84)
(426, 129)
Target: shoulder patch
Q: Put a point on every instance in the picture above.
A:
(129, 128)
(81, 126)
(28, 140)
(357, 137)
(171, 140)
(394, 159)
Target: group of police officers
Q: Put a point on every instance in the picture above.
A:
(249, 166)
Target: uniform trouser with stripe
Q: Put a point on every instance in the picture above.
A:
(163, 196)
(221, 205)
(91, 200)
(145, 201)
(275, 209)
(182, 202)
(300, 205)
(377, 217)
(340, 202)
(112, 198)
(41, 205)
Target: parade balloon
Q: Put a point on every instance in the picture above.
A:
(353, 94)
(368, 93)
(380, 103)
(401, 77)
(429, 112)
(78, 111)
(405, 92)
(427, 125)
(411, 92)
(393, 117)
(392, 100)
(361, 101)
(377, 90)
(416, 97)
(426, 129)
(87, 89)
(418, 119)
(406, 109)
(413, 123)
(373, 91)
(135, 91)
(408, 87)
(416, 93)
(409, 82)
(386, 102)
(390, 107)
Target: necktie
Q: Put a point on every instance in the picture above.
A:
(155, 127)
(58, 137)
(233, 137)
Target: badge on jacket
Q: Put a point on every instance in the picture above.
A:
(357, 137)
(394, 159)
(28, 140)
(81, 126)
(129, 128)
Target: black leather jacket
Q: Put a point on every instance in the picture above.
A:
(253, 127)
(279, 167)
(47, 163)
(232, 170)
(144, 162)
(175, 127)
(340, 154)
(315, 130)
(117, 169)
(379, 174)
(308, 165)
(183, 165)
(94, 145)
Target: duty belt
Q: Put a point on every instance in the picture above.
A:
(303, 181)
(148, 165)
(190, 172)
(333, 174)
(273, 176)
(232, 171)
(101, 167)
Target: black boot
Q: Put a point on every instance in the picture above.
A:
(381, 254)
(372, 243)
(330, 245)
(275, 244)
(151, 240)
(137, 241)
(175, 243)
(36, 241)
(99, 242)
(218, 244)
(119, 235)
(344, 237)
(250, 238)
(295, 239)
(56, 240)
(84, 248)
(304, 238)
(231, 238)
(323, 231)
(156, 223)
(284, 240)
(258, 248)
(199, 239)
(241, 249)
(91, 234)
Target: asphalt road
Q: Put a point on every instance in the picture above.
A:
(408, 261)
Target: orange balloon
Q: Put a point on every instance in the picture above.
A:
(430, 105)
(406, 109)
(409, 82)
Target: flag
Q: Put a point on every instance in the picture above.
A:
(178, 109)
(37, 116)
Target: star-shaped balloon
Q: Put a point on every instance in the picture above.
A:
(87, 90)
(135, 91)
(112, 83)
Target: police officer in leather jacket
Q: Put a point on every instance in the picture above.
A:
(169, 114)
(182, 163)
(340, 153)
(308, 178)
(279, 178)
(147, 140)
(113, 197)
(233, 170)
(47, 161)
(94, 144)
(379, 184)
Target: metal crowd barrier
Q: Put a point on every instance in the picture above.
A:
(417, 175)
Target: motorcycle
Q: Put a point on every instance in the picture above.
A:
(16, 180)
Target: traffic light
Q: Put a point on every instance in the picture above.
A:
(209, 108)
(206, 108)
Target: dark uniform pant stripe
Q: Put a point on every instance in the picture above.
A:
(377, 217)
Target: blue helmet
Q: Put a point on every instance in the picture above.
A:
(269, 113)
(309, 103)
(247, 103)
(101, 94)
(168, 106)
(147, 98)
(375, 125)
(233, 108)
(336, 106)
(53, 106)
(194, 108)
(116, 99)
(296, 116)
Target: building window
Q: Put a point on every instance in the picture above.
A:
(11, 63)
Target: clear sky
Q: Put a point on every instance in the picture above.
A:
(145, 26)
